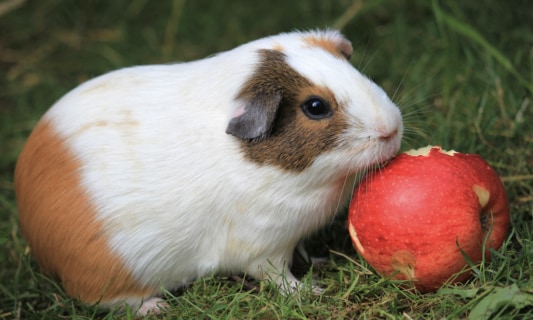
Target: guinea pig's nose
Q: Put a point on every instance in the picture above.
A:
(386, 135)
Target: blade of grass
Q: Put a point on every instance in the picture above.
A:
(356, 8)
(348, 15)
(471, 264)
(469, 32)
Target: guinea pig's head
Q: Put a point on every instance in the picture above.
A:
(304, 106)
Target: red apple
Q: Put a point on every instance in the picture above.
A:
(414, 218)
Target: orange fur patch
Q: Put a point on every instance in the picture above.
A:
(338, 47)
(58, 221)
(278, 47)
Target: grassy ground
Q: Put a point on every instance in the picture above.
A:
(461, 70)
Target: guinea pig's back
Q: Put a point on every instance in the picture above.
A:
(97, 171)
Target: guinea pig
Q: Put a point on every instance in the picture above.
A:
(146, 178)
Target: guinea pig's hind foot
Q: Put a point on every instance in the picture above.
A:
(153, 305)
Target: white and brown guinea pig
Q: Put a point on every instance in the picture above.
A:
(152, 176)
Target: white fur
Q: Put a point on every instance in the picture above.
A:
(178, 199)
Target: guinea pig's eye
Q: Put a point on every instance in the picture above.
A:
(315, 108)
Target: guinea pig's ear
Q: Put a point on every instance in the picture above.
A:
(258, 101)
(254, 118)
(345, 49)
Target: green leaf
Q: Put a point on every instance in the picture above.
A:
(463, 293)
(500, 297)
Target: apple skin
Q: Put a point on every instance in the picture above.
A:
(411, 218)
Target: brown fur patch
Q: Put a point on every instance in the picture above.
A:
(338, 47)
(295, 140)
(58, 222)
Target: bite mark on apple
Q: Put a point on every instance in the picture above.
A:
(425, 151)
(484, 197)
(404, 262)
(355, 239)
(482, 194)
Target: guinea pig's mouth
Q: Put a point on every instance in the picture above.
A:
(378, 165)
(382, 164)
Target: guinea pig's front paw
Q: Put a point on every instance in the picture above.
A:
(296, 287)
(288, 284)
(152, 306)
(317, 290)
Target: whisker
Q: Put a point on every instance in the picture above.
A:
(393, 97)
(364, 68)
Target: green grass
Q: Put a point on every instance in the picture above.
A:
(461, 71)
